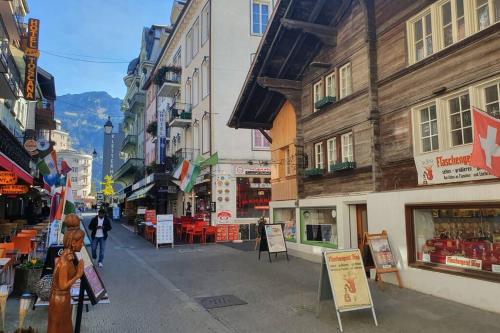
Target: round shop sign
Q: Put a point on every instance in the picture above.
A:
(224, 216)
(43, 144)
(30, 145)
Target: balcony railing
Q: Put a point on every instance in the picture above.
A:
(169, 81)
(44, 115)
(10, 87)
(180, 115)
(186, 154)
(129, 143)
(126, 172)
(138, 100)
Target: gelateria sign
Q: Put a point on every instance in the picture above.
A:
(31, 53)
(450, 166)
(7, 178)
(13, 189)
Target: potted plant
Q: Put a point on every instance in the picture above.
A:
(313, 172)
(27, 275)
(325, 101)
(342, 166)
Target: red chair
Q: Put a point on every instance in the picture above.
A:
(22, 245)
(209, 231)
(150, 233)
(195, 231)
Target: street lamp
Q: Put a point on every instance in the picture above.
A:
(108, 126)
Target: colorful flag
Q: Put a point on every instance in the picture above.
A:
(186, 173)
(60, 205)
(486, 147)
(54, 206)
(69, 202)
(212, 160)
(48, 165)
(64, 167)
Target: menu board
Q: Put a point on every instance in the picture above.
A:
(221, 235)
(165, 229)
(233, 232)
(348, 279)
(275, 239)
(96, 289)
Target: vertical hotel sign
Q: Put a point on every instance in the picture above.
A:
(162, 136)
(31, 54)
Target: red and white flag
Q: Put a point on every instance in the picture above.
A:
(486, 147)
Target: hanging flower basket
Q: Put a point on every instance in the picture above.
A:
(313, 172)
(325, 101)
(342, 166)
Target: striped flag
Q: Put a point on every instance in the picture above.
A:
(48, 165)
(69, 202)
(186, 173)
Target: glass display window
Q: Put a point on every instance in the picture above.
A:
(319, 226)
(462, 239)
(286, 217)
(252, 197)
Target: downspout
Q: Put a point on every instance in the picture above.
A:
(210, 106)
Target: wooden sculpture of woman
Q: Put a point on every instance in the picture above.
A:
(65, 275)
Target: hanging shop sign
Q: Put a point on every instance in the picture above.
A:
(31, 146)
(31, 54)
(14, 189)
(252, 171)
(8, 178)
(344, 272)
(450, 166)
(161, 133)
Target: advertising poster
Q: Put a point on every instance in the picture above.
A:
(165, 229)
(275, 239)
(448, 167)
(150, 216)
(348, 279)
(381, 252)
(224, 198)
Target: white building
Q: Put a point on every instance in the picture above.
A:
(60, 138)
(204, 63)
(81, 172)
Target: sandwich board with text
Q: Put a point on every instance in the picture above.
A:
(383, 258)
(343, 279)
(275, 240)
(164, 230)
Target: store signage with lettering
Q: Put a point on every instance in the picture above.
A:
(260, 185)
(7, 178)
(463, 262)
(448, 167)
(13, 189)
(31, 53)
(161, 132)
(253, 171)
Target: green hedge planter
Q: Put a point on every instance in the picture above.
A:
(325, 101)
(314, 172)
(342, 166)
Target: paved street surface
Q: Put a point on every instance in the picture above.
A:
(155, 291)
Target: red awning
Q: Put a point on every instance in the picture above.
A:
(9, 165)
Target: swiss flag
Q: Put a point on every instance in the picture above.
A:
(486, 148)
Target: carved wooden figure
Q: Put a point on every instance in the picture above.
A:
(66, 272)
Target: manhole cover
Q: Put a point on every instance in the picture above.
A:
(213, 302)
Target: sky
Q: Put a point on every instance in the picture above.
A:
(97, 30)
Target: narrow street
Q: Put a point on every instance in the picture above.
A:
(156, 291)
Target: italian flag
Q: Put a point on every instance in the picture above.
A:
(48, 166)
(186, 174)
(69, 202)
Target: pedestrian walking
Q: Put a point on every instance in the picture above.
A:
(188, 209)
(99, 227)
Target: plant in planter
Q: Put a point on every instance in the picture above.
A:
(325, 101)
(313, 172)
(27, 275)
(159, 77)
(152, 128)
(342, 166)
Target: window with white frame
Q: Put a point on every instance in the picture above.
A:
(331, 152)
(318, 155)
(429, 136)
(460, 120)
(421, 36)
(452, 22)
(492, 100)
(196, 87)
(189, 46)
(74, 180)
(205, 78)
(259, 141)
(345, 80)
(330, 85)
(260, 16)
(196, 37)
(205, 23)
(317, 91)
(347, 151)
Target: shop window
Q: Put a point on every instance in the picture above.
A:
(319, 226)
(429, 129)
(345, 80)
(460, 120)
(318, 155)
(286, 217)
(252, 197)
(463, 239)
(347, 148)
(492, 99)
(331, 149)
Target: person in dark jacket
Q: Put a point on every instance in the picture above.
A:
(99, 227)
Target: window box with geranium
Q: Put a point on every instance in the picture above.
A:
(342, 166)
(324, 102)
(313, 172)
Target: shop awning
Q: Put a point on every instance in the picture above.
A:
(140, 193)
(9, 165)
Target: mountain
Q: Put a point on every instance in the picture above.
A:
(83, 117)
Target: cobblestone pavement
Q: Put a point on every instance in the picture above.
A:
(155, 291)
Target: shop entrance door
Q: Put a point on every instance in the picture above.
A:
(362, 225)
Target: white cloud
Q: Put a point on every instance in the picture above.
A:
(72, 114)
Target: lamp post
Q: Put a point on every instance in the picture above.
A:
(108, 126)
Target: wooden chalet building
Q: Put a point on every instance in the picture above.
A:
(368, 108)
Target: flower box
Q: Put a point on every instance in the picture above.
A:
(314, 172)
(325, 101)
(342, 166)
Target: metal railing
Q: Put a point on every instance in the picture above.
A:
(180, 111)
(186, 154)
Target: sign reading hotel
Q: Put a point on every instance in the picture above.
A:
(462, 262)
(32, 53)
(450, 166)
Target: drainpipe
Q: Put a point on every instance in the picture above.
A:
(210, 107)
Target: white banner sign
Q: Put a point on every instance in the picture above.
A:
(164, 229)
(448, 167)
(275, 239)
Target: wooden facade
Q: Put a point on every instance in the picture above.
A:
(375, 38)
